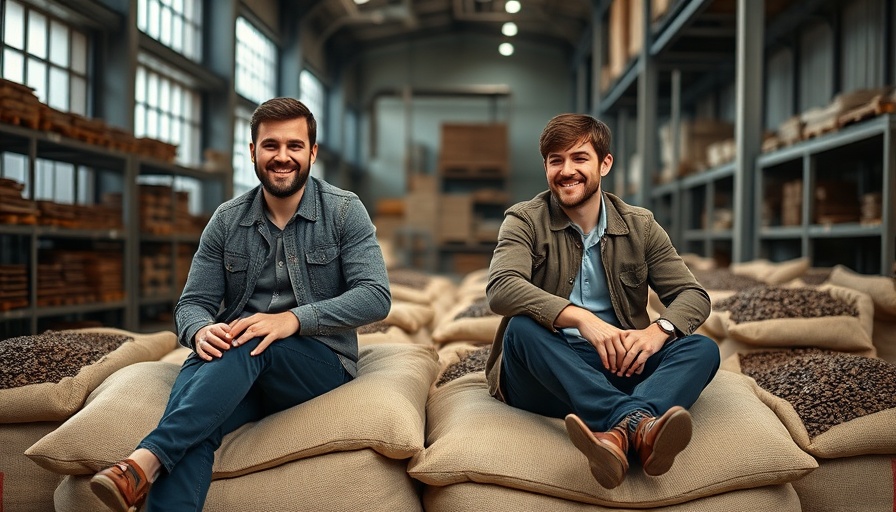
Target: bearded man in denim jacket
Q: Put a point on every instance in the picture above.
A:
(283, 276)
(570, 275)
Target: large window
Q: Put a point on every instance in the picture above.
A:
(256, 63)
(167, 110)
(313, 95)
(47, 55)
(175, 23)
(243, 169)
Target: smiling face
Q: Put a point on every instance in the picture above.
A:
(574, 174)
(283, 156)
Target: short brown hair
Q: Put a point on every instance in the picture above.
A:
(565, 130)
(283, 109)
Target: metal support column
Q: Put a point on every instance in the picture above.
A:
(647, 104)
(748, 125)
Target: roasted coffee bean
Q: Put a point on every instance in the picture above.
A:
(380, 326)
(770, 302)
(473, 361)
(478, 309)
(409, 278)
(724, 279)
(52, 356)
(825, 388)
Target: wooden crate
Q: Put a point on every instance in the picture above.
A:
(455, 222)
(474, 150)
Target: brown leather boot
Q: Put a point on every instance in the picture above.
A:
(122, 486)
(606, 451)
(659, 440)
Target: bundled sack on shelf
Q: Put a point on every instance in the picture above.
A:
(833, 404)
(47, 377)
(882, 290)
(479, 446)
(407, 322)
(470, 320)
(827, 316)
(363, 431)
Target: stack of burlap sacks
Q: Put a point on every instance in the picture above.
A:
(417, 430)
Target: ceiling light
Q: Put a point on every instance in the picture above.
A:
(361, 2)
(505, 49)
(509, 29)
(512, 6)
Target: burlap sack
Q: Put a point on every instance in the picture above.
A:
(177, 356)
(355, 480)
(864, 435)
(494, 498)
(382, 409)
(420, 287)
(49, 401)
(882, 291)
(865, 483)
(24, 486)
(772, 273)
(738, 443)
(698, 262)
(473, 284)
(469, 320)
(383, 334)
(843, 333)
(410, 316)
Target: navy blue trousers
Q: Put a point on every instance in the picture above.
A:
(545, 373)
(211, 399)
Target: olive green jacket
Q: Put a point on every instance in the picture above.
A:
(539, 254)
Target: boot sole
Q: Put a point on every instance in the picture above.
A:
(606, 466)
(672, 438)
(106, 490)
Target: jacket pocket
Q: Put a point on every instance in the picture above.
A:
(235, 266)
(634, 286)
(324, 271)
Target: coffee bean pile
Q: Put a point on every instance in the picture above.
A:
(478, 309)
(825, 388)
(473, 361)
(724, 279)
(375, 327)
(409, 278)
(770, 302)
(52, 356)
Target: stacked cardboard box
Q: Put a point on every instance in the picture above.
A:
(792, 203)
(474, 151)
(695, 138)
(155, 270)
(15, 209)
(156, 210)
(836, 202)
(13, 287)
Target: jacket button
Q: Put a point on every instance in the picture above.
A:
(570, 280)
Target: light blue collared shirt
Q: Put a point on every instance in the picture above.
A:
(590, 290)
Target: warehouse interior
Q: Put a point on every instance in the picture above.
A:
(760, 134)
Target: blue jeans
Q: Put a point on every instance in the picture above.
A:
(211, 399)
(545, 373)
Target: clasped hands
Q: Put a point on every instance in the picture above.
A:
(213, 340)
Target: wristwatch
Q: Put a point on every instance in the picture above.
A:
(667, 327)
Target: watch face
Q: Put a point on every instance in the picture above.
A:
(666, 325)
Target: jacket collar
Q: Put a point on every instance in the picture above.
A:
(560, 221)
(308, 207)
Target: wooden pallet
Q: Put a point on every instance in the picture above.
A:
(880, 105)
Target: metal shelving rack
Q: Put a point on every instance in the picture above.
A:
(688, 54)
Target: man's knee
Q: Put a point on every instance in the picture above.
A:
(704, 348)
(524, 333)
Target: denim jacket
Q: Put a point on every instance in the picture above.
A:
(539, 255)
(335, 265)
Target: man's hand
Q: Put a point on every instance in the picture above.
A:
(639, 346)
(212, 341)
(270, 327)
(606, 338)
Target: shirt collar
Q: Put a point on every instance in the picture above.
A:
(308, 207)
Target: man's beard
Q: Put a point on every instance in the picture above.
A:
(588, 193)
(299, 178)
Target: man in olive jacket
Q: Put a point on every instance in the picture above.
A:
(570, 275)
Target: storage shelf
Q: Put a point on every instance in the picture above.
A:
(704, 234)
(845, 136)
(69, 309)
